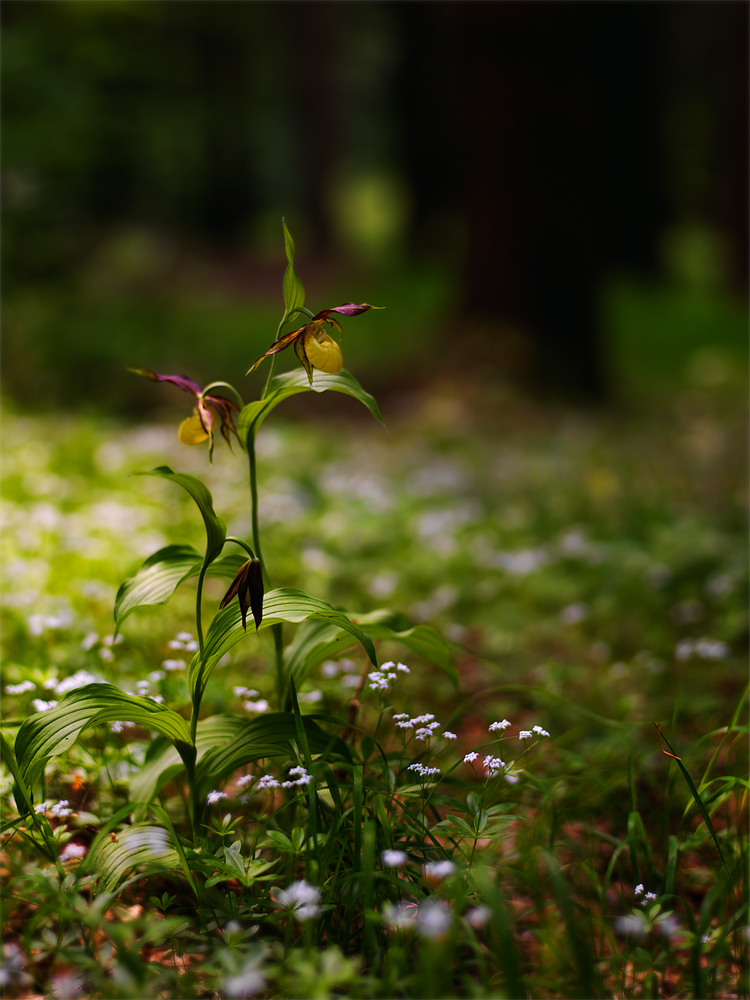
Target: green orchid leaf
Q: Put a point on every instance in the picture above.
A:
(291, 383)
(419, 638)
(224, 744)
(216, 529)
(140, 846)
(283, 605)
(248, 740)
(292, 287)
(157, 579)
(47, 734)
(163, 572)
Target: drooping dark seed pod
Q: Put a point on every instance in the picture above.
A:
(247, 586)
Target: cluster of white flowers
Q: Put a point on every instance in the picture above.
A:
(173, 665)
(79, 679)
(39, 705)
(705, 649)
(302, 899)
(60, 810)
(381, 680)
(436, 871)
(267, 781)
(72, 851)
(245, 780)
(648, 897)
(243, 692)
(393, 859)
(301, 777)
(119, 726)
(493, 766)
(499, 726)
(183, 640)
(256, 706)
(21, 688)
(215, 796)
(422, 770)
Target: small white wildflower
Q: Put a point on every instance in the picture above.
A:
(106, 654)
(175, 644)
(191, 647)
(42, 706)
(89, 640)
(539, 731)
(493, 765)
(405, 724)
(311, 696)
(330, 668)
(42, 806)
(156, 675)
(120, 725)
(573, 614)
(157, 698)
(302, 899)
(639, 889)
(449, 735)
(299, 776)
(422, 770)
(142, 686)
(267, 781)
(684, 650)
(401, 715)
(421, 719)
(512, 777)
(71, 851)
(350, 681)
(402, 668)
(245, 780)
(173, 664)
(436, 871)
(79, 679)
(215, 796)
(711, 649)
(470, 757)
(243, 692)
(499, 726)
(61, 809)
(525, 734)
(632, 925)
(21, 688)
(256, 706)
(648, 898)
(184, 637)
(111, 640)
(433, 918)
(423, 734)
(393, 858)
(478, 916)
(50, 684)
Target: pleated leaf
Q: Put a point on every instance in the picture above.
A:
(248, 740)
(48, 734)
(327, 644)
(163, 572)
(292, 287)
(282, 605)
(216, 529)
(289, 384)
(140, 846)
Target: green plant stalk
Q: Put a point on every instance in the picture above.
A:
(278, 629)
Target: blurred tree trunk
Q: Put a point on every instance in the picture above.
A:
(551, 138)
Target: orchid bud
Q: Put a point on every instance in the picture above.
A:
(247, 586)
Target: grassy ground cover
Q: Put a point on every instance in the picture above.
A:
(588, 573)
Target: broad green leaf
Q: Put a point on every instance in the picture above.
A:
(283, 605)
(292, 287)
(158, 578)
(139, 845)
(163, 572)
(48, 734)
(419, 638)
(226, 743)
(248, 740)
(216, 529)
(289, 384)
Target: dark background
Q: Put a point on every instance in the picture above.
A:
(554, 193)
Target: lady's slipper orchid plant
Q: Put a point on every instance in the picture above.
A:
(209, 410)
(313, 345)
